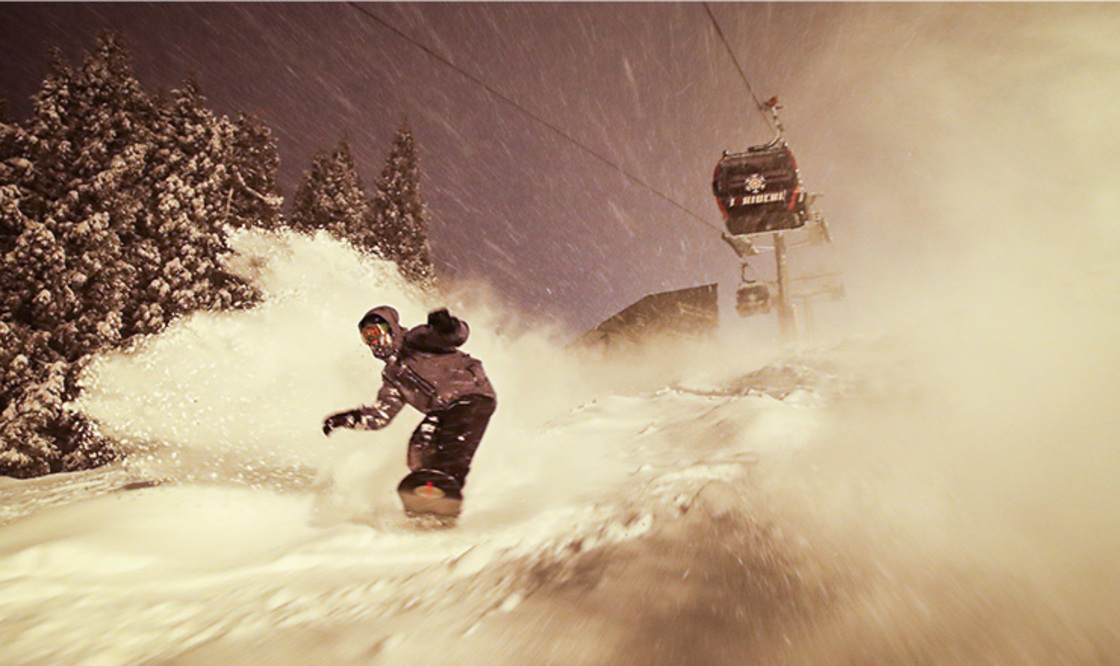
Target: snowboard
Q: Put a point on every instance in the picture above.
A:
(429, 493)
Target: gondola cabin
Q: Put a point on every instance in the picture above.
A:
(760, 190)
(752, 298)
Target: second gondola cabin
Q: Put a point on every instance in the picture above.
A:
(760, 190)
(752, 298)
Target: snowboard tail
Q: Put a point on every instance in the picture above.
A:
(429, 492)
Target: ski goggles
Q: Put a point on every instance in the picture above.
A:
(377, 332)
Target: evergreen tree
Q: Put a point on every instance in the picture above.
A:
(16, 174)
(331, 197)
(38, 434)
(13, 149)
(180, 241)
(399, 216)
(26, 404)
(16, 240)
(253, 161)
(64, 282)
(51, 150)
(92, 138)
(113, 216)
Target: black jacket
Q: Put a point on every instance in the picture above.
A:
(424, 368)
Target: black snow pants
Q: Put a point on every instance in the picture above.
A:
(447, 439)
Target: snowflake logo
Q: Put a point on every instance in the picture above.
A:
(755, 183)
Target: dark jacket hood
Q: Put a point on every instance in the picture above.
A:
(441, 335)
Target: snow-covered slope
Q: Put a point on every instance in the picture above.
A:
(694, 507)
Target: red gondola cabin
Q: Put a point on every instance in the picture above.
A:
(760, 191)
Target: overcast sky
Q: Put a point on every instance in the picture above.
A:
(874, 93)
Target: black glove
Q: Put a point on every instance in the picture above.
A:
(340, 420)
(442, 321)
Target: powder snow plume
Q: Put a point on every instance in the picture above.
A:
(235, 517)
(242, 395)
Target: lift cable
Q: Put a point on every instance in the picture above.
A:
(564, 135)
(759, 104)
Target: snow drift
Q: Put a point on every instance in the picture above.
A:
(828, 504)
(234, 508)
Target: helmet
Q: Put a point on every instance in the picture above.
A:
(381, 331)
(378, 335)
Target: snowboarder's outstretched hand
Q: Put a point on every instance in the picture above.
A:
(339, 420)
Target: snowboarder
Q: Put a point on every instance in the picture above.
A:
(424, 368)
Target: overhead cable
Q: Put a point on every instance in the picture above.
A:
(759, 104)
(555, 129)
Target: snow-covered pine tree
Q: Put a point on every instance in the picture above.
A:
(16, 172)
(38, 434)
(50, 150)
(104, 193)
(252, 161)
(331, 197)
(399, 217)
(25, 448)
(13, 148)
(181, 238)
(92, 136)
(65, 284)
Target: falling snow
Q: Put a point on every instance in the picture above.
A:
(933, 479)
